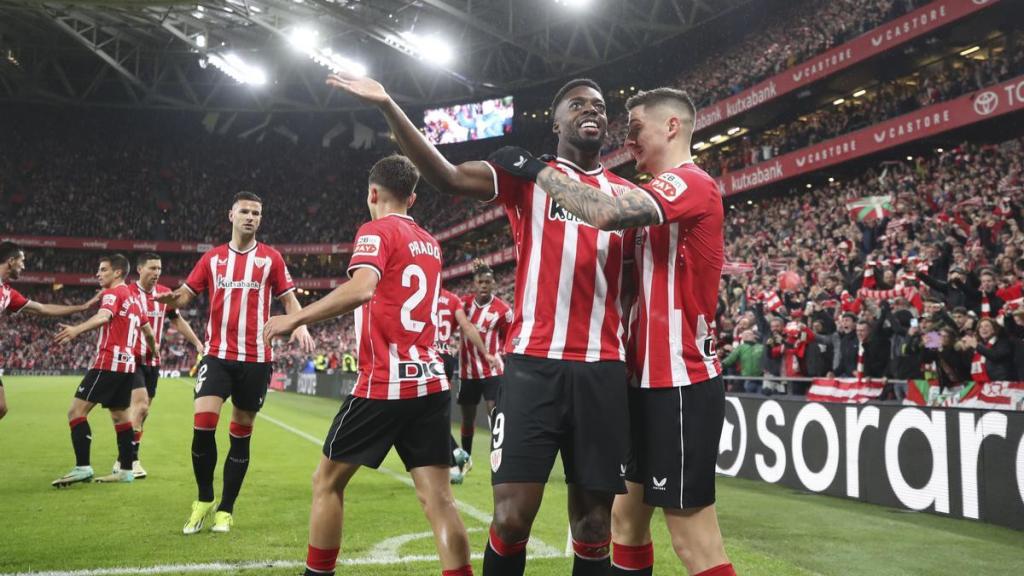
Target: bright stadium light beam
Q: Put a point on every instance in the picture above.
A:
(241, 71)
(304, 39)
(432, 49)
(574, 4)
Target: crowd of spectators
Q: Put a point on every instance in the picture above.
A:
(937, 82)
(789, 36)
(931, 291)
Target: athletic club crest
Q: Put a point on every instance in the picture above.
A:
(495, 460)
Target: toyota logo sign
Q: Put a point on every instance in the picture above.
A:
(986, 103)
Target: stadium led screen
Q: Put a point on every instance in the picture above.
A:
(466, 122)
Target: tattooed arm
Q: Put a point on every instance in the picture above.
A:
(630, 210)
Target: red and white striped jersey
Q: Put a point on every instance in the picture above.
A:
(397, 328)
(120, 339)
(447, 304)
(679, 265)
(239, 286)
(492, 319)
(568, 273)
(11, 301)
(156, 313)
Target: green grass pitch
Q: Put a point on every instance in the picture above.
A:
(121, 529)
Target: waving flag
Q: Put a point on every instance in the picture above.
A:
(870, 208)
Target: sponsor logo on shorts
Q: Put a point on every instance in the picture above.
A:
(495, 459)
(659, 484)
(622, 469)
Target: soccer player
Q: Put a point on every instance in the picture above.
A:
(478, 378)
(677, 402)
(109, 381)
(449, 306)
(240, 279)
(12, 262)
(146, 289)
(401, 396)
(563, 387)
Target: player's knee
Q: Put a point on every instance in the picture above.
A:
(697, 547)
(592, 526)
(511, 524)
(3, 410)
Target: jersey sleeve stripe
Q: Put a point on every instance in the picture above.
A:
(190, 289)
(652, 198)
(364, 265)
(285, 293)
(494, 177)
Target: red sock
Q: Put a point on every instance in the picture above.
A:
(466, 570)
(138, 436)
(122, 426)
(633, 557)
(319, 560)
(240, 430)
(504, 548)
(205, 420)
(76, 421)
(720, 570)
(591, 550)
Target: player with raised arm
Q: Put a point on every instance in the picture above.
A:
(401, 397)
(563, 388)
(478, 378)
(12, 262)
(146, 289)
(449, 306)
(240, 279)
(677, 401)
(109, 382)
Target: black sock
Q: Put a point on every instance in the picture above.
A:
(235, 466)
(588, 567)
(124, 446)
(204, 461)
(512, 564)
(467, 441)
(309, 572)
(81, 440)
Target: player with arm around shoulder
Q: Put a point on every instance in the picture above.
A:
(677, 401)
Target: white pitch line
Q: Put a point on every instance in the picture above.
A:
(538, 548)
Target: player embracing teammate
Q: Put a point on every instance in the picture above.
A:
(677, 402)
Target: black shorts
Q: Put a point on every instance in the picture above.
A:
(472, 389)
(451, 364)
(364, 431)
(245, 382)
(546, 406)
(675, 434)
(147, 377)
(111, 389)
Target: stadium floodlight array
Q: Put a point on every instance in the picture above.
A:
(241, 71)
(574, 4)
(432, 48)
(307, 41)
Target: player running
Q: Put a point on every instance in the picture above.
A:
(563, 388)
(479, 378)
(449, 306)
(146, 289)
(240, 279)
(401, 396)
(677, 402)
(12, 262)
(109, 382)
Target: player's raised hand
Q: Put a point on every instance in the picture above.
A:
(94, 300)
(304, 340)
(67, 334)
(363, 87)
(517, 162)
(277, 326)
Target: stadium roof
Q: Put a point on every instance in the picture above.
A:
(166, 54)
